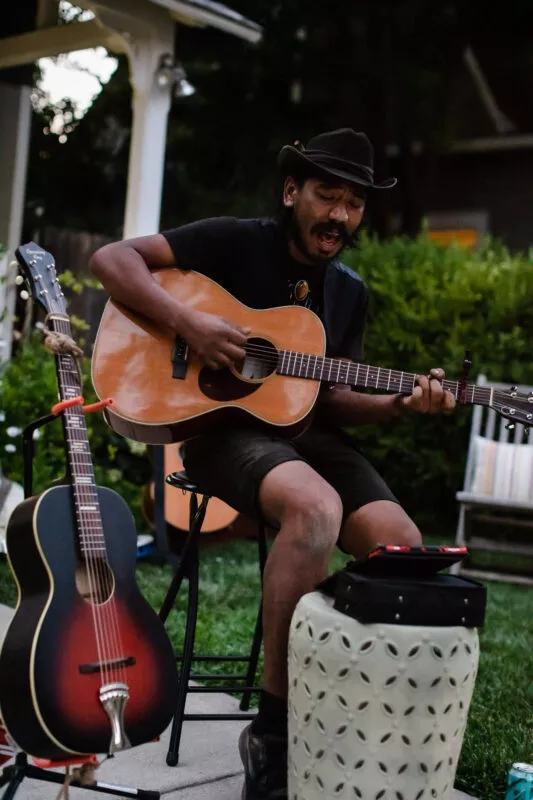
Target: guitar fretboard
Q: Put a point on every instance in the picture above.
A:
(336, 370)
(85, 496)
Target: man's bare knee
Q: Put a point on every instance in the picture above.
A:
(380, 523)
(303, 505)
(314, 521)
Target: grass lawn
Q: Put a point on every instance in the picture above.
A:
(500, 725)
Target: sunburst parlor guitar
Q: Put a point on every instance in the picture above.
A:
(86, 665)
(163, 393)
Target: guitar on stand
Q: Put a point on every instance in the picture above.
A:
(86, 666)
(219, 516)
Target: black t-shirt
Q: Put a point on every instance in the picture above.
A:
(250, 258)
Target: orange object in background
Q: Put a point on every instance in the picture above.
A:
(47, 763)
(466, 237)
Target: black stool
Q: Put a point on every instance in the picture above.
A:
(187, 566)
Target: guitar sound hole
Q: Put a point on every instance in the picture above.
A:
(245, 377)
(94, 581)
(260, 362)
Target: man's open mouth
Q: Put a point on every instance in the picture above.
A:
(329, 240)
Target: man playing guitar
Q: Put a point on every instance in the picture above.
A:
(317, 489)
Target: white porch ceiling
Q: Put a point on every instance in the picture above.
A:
(217, 15)
(114, 22)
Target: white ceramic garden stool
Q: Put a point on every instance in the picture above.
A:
(376, 712)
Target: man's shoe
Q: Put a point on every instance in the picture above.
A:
(265, 765)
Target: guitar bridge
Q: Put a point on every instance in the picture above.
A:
(180, 355)
(97, 666)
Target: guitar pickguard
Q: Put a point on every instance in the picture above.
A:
(223, 385)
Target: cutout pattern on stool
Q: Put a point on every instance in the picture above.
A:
(377, 712)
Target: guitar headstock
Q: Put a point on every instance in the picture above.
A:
(514, 405)
(38, 268)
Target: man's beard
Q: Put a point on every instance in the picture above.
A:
(294, 232)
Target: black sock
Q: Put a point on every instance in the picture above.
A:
(272, 715)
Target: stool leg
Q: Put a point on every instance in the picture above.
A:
(179, 575)
(258, 633)
(192, 568)
(14, 776)
(196, 520)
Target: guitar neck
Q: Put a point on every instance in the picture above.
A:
(84, 490)
(336, 370)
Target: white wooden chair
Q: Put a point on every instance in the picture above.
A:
(496, 503)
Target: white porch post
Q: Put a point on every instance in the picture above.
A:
(151, 104)
(15, 123)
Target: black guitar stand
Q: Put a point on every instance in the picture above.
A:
(13, 774)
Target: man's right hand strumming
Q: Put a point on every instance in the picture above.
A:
(124, 269)
(215, 340)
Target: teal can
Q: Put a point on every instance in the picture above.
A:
(520, 782)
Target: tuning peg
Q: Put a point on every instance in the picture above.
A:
(13, 264)
(510, 426)
(19, 280)
(24, 295)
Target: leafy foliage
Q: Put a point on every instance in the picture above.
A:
(28, 389)
(427, 305)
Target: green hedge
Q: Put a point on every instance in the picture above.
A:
(428, 304)
(28, 389)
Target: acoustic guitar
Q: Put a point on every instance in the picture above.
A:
(218, 517)
(163, 393)
(86, 666)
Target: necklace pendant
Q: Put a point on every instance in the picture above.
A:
(301, 290)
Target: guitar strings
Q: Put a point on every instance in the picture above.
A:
(105, 620)
(274, 354)
(91, 575)
(91, 544)
(102, 645)
(87, 527)
(94, 539)
(95, 543)
(265, 355)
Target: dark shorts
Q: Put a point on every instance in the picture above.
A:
(230, 464)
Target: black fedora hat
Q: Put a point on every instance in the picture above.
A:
(344, 154)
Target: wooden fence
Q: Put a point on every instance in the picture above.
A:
(72, 251)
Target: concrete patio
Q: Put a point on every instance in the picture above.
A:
(209, 766)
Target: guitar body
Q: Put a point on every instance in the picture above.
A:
(219, 515)
(132, 364)
(48, 694)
